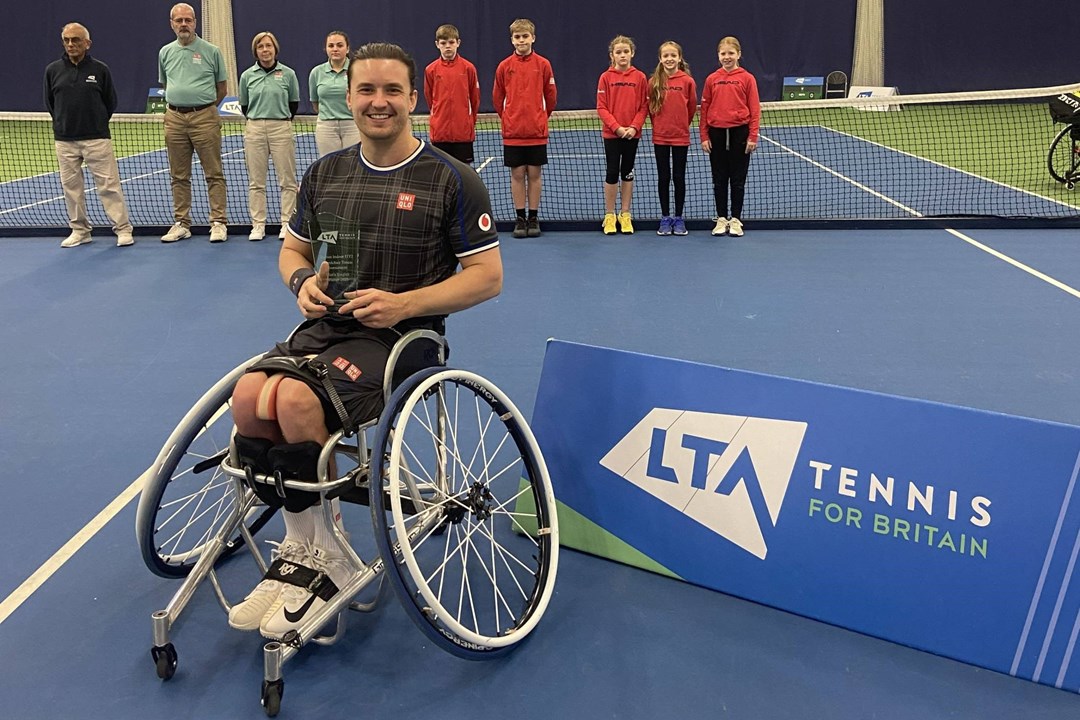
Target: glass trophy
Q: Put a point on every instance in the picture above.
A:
(337, 242)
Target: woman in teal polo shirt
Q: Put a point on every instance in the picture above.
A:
(269, 98)
(327, 85)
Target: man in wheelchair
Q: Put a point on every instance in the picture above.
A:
(373, 251)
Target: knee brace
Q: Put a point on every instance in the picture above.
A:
(294, 461)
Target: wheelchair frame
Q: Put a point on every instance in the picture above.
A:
(431, 491)
(1066, 143)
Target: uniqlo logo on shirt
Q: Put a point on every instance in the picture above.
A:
(341, 363)
(405, 201)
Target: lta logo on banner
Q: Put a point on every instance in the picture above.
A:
(728, 472)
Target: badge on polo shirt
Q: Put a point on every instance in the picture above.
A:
(196, 58)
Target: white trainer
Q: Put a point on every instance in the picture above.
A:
(179, 231)
(218, 232)
(297, 603)
(735, 228)
(124, 239)
(266, 597)
(281, 233)
(75, 239)
(721, 227)
(258, 232)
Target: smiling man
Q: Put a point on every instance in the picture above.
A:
(373, 251)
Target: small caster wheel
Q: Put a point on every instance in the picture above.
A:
(164, 660)
(271, 696)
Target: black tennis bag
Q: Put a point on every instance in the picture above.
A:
(1065, 108)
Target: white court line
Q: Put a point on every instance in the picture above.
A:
(1015, 263)
(93, 190)
(12, 602)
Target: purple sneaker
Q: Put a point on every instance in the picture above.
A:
(666, 224)
(678, 225)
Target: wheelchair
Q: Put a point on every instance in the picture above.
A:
(462, 510)
(1063, 160)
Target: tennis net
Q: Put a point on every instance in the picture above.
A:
(859, 160)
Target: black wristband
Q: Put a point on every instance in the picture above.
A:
(298, 279)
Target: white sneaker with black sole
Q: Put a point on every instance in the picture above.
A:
(266, 597)
(735, 228)
(721, 227)
(331, 573)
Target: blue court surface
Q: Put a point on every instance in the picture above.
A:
(798, 173)
(108, 347)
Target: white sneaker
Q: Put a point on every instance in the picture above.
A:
(75, 239)
(721, 227)
(218, 232)
(281, 233)
(297, 603)
(179, 231)
(266, 596)
(124, 239)
(258, 232)
(735, 227)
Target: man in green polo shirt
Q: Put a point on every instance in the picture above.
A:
(192, 72)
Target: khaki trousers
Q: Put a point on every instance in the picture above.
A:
(263, 140)
(101, 162)
(195, 132)
(333, 135)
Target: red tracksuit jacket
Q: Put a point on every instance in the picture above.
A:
(622, 100)
(730, 100)
(671, 124)
(524, 96)
(452, 92)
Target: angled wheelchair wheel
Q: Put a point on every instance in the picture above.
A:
(1064, 157)
(186, 497)
(467, 530)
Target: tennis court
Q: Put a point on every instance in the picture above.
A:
(973, 155)
(135, 336)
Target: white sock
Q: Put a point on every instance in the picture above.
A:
(324, 534)
(300, 526)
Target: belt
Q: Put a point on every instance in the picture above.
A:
(186, 110)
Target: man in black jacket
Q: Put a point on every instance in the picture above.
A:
(80, 96)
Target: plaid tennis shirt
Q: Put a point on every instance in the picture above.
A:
(410, 222)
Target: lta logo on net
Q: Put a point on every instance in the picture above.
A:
(728, 472)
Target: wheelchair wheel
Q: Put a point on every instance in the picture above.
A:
(1064, 157)
(468, 530)
(186, 497)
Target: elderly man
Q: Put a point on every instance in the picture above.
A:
(192, 72)
(80, 96)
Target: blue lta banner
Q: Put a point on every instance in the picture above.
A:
(951, 530)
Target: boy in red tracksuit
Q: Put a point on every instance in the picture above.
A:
(452, 92)
(622, 102)
(524, 97)
(672, 104)
(730, 118)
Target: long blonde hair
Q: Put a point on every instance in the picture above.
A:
(659, 79)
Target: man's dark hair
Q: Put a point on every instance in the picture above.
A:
(385, 51)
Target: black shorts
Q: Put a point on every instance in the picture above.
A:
(518, 155)
(356, 359)
(462, 151)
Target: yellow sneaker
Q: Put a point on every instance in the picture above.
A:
(609, 224)
(626, 224)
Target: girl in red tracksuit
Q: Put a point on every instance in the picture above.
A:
(622, 102)
(730, 117)
(672, 104)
